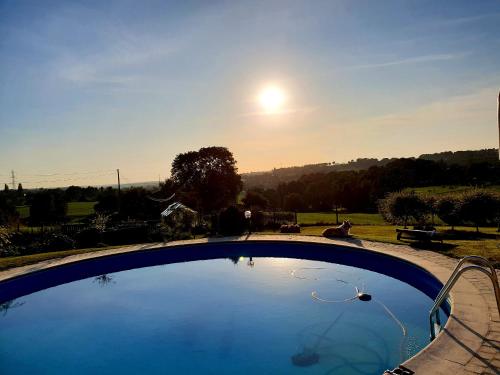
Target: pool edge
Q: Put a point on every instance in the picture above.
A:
(460, 348)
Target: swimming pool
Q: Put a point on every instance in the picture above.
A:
(221, 308)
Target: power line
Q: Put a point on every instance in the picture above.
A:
(67, 179)
(69, 173)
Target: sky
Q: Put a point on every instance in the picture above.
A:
(88, 87)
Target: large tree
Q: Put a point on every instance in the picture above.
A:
(48, 207)
(210, 175)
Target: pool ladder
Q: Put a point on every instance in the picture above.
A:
(479, 264)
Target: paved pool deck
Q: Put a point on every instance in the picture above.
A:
(468, 344)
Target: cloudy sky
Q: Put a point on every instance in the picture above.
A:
(88, 87)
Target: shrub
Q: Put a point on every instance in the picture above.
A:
(292, 228)
(7, 248)
(88, 237)
(404, 208)
(178, 224)
(126, 235)
(169, 233)
(4, 237)
(480, 207)
(58, 242)
(448, 209)
(26, 243)
(8, 213)
(232, 221)
(258, 221)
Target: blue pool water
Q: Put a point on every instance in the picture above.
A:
(219, 316)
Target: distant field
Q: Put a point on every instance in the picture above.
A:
(310, 218)
(449, 189)
(75, 209)
(81, 208)
(24, 211)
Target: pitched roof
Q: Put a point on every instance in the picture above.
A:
(174, 207)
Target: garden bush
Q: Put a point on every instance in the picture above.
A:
(88, 237)
(448, 209)
(58, 242)
(404, 208)
(480, 207)
(126, 235)
(232, 221)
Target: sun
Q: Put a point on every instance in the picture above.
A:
(272, 99)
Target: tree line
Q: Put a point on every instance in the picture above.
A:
(271, 179)
(207, 181)
(360, 191)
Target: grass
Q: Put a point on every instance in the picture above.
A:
(439, 190)
(329, 218)
(80, 209)
(75, 209)
(18, 261)
(464, 241)
(24, 211)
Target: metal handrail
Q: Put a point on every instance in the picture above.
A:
(457, 272)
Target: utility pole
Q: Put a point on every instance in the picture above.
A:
(119, 191)
(13, 180)
(499, 124)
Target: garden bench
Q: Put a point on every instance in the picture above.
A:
(420, 235)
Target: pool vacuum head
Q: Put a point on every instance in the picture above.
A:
(365, 297)
(306, 358)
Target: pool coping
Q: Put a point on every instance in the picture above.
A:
(469, 342)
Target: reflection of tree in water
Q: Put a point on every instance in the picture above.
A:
(6, 306)
(236, 260)
(104, 280)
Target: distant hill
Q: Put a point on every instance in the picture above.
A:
(271, 179)
(145, 184)
(464, 157)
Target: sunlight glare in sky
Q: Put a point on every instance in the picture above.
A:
(272, 99)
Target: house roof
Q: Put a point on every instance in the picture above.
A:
(174, 207)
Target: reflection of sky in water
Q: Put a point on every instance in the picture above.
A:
(215, 317)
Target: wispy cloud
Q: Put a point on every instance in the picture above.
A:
(411, 60)
(474, 109)
(469, 19)
(117, 65)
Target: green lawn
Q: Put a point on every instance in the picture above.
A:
(18, 261)
(438, 190)
(462, 242)
(79, 209)
(75, 209)
(327, 218)
(24, 211)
